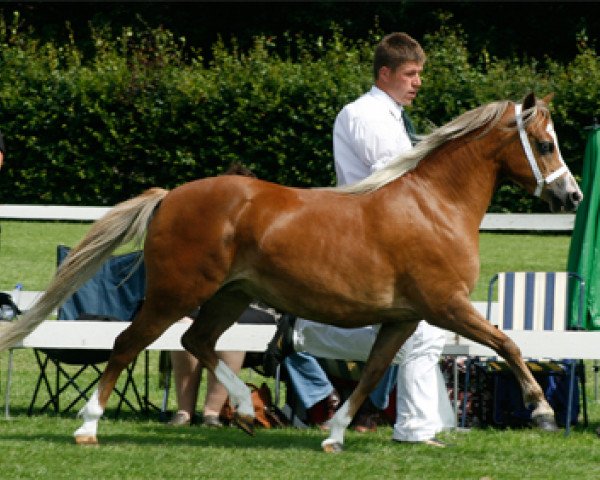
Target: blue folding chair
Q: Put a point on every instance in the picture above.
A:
(115, 293)
(537, 301)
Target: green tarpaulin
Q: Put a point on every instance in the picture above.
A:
(584, 251)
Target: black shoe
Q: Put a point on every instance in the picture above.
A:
(281, 345)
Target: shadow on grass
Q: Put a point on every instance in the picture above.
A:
(158, 434)
(110, 413)
(57, 430)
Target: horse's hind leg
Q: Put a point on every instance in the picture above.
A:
(390, 338)
(214, 317)
(461, 317)
(151, 322)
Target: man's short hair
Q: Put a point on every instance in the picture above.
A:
(396, 49)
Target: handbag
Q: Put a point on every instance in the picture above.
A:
(265, 413)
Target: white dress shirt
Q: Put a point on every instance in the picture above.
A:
(368, 133)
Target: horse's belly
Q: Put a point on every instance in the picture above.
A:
(342, 308)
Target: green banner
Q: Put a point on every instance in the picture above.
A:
(584, 250)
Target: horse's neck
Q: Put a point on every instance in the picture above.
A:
(460, 175)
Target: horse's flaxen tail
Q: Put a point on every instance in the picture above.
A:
(127, 221)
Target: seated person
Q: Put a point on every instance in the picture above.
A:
(312, 386)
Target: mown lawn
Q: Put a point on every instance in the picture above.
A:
(133, 447)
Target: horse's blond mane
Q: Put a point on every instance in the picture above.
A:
(486, 115)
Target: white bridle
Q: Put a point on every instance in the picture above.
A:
(530, 157)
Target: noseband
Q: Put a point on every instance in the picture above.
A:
(530, 157)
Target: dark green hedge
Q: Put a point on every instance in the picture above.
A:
(141, 111)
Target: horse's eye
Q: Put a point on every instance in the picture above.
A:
(545, 147)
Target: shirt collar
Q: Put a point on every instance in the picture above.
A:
(395, 108)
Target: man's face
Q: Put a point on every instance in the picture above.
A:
(403, 83)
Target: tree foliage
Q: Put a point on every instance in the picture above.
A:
(141, 108)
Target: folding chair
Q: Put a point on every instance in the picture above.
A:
(537, 301)
(114, 294)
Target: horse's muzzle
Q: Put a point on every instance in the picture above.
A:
(563, 194)
(575, 198)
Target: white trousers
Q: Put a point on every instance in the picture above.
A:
(422, 405)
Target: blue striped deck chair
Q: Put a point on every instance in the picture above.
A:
(533, 300)
(537, 301)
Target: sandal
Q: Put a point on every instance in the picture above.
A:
(212, 421)
(180, 419)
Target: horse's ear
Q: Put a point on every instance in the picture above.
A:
(529, 101)
(548, 98)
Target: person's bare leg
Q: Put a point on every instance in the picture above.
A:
(187, 375)
(216, 393)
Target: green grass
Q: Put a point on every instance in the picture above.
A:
(519, 252)
(28, 251)
(133, 447)
(134, 450)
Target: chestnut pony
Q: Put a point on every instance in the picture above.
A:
(395, 248)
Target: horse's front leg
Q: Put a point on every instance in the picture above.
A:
(389, 340)
(461, 317)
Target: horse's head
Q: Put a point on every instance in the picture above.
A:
(537, 162)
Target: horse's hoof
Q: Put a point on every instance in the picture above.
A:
(546, 423)
(244, 423)
(86, 440)
(332, 447)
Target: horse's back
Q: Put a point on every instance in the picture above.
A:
(213, 212)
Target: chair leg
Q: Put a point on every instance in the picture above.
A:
(122, 394)
(42, 378)
(570, 398)
(582, 380)
(165, 400)
(8, 385)
(138, 397)
(129, 382)
(596, 368)
(463, 419)
(146, 406)
(455, 388)
(277, 385)
(56, 398)
(71, 382)
(576, 368)
(54, 393)
(146, 386)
